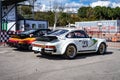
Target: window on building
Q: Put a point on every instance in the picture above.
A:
(33, 26)
(41, 26)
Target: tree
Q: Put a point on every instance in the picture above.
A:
(32, 2)
(116, 12)
(49, 16)
(82, 12)
(104, 12)
(26, 10)
(110, 13)
(62, 21)
(98, 12)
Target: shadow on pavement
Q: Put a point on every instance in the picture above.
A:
(22, 50)
(51, 57)
(79, 56)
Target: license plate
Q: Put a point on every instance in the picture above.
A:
(36, 48)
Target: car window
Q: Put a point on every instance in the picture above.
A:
(85, 34)
(41, 32)
(71, 35)
(77, 34)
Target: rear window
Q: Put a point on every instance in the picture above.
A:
(46, 38)
(58, 32)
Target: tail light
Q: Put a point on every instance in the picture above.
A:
(50, 47)
(44, 46)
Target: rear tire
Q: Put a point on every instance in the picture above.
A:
(36, 52)
(102, 49)
(70, 52)
(30, 47)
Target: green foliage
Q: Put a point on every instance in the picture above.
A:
(99, 13)
(45, 16)
(84, 14)
(26, 10)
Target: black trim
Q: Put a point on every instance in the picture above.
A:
(86, 50)
(33, 20)
(8, 11)
(43, 50)
(19, 4)
(16, 17)
(10, 2)
(51, 50)
(0, 16)
(24, 22)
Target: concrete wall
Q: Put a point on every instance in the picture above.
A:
(107, 26)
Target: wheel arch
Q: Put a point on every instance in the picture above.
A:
(100, 44)
(65, 47)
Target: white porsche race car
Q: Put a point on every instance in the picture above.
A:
(68, 42)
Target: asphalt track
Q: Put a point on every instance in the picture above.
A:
(25, 65)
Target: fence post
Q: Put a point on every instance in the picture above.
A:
(0, 15)
(0, 19)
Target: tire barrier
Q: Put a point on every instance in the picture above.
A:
(115, 45)
(4, 36)
(110, 37)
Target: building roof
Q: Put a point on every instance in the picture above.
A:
(10, 2)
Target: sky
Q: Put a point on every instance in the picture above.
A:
(73, 5)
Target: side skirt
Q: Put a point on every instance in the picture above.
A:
(87, 51)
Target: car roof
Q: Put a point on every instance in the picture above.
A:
(34, 30)
(69, 29)
(42, 29)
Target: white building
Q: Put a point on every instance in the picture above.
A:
(11, 22)
(32, 24)
(106, 26)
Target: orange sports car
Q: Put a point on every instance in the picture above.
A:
(24, 39)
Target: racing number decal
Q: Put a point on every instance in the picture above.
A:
(84, 44)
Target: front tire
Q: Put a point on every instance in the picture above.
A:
(70, 52)
(102, 49)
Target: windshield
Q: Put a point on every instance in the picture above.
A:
(27, 32)
(58, 32)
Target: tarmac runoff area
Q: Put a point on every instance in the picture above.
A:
(25, 65)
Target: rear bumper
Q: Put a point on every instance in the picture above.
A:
(46, 51)
(24, 46)
(12, 44)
